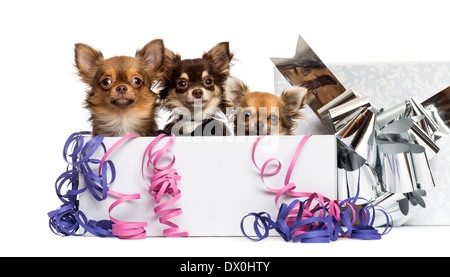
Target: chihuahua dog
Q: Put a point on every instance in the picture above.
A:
(263, 113)
(194, 91)
(119, 98)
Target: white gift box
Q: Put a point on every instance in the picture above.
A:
(219, 183)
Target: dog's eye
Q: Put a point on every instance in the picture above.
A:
(106, 83)
(209, 81)
(181, 84)
(247, 114)
(274, 118)
(137, 82)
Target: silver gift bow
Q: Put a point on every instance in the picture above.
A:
(390, 143)
(395, 155)
(394, 144)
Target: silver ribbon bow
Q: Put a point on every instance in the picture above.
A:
(394, 145)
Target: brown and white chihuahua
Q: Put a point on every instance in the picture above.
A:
(195, 91)
(263, 113)
(119, 98)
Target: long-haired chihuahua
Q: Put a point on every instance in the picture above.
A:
(195, 91)
(119, 97)
(263, 113)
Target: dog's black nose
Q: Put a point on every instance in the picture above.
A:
(121, 89)
(197, 93)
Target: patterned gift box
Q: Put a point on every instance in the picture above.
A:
(386, 84)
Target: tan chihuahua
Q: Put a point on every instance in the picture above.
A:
(119, 98)
(263, 113)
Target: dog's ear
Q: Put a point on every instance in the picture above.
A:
(86, 60)
(152, 54)
(171, 62)
(293, 100)
(235, 90)
(171, 57)
(220, 57)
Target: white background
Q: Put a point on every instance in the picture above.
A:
(42, 97)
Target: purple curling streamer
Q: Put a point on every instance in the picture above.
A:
(325, 222)
(100, 228)
(266, 225)
(316, 232)
(67, 219)
(320, 229)
(63, 221)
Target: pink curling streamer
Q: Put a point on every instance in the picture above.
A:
(163, 181)
(319, 210)
(123, 229)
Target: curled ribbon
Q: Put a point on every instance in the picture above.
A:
(302, 221)
(63, 221)
(163, 182)
(122, 229)
(82, 161)
(125, 229)
(67, 219)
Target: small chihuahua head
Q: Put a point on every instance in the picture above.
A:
(119, 98)
(263, 113)
(200, 81)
